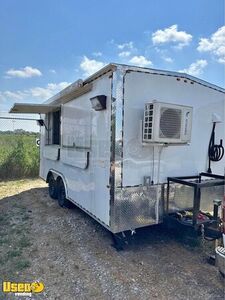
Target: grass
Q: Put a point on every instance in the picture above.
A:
(3, 220)
(13, 253)
(22, 264)
(15, 239)
(15, 231)
(24, 242)
(13, 187)
(19, 155)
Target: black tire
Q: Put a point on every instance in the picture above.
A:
(52, 188)
(63, 202)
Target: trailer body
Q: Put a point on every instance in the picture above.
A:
(107, 169)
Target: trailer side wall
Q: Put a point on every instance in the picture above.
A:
(84, 152)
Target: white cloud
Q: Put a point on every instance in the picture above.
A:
(140, 61)
(26, 72)
(2, 98)
(48, 91)
(164, 54)
(13, 95)
(160, 50)
(167, 59)
(124, 54)
(41, 93)
(171, 35)
(52, 71)
(195, 68)
(90, 66)
(6, 96)
(215, 44)
(129, 45)
(97, 54)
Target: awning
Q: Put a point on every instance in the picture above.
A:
(31, 108)
(69, 93)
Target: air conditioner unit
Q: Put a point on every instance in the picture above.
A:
(167, 123)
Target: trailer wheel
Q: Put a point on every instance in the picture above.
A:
(52, 188)
(63, 202)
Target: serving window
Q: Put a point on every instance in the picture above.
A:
(76, 128)
(52, 130)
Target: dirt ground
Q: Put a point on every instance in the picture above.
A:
(72, 254)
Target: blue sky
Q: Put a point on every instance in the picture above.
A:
(45, 45)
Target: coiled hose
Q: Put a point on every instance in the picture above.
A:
(215, 152)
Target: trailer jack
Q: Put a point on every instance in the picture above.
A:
(122, 239)
(119, 241)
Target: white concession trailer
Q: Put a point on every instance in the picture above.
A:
(110, 143)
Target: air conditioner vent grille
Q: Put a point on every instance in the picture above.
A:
(170, 122)
(166, 123)
(148, 121)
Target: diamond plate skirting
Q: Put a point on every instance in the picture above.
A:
(136, 207)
